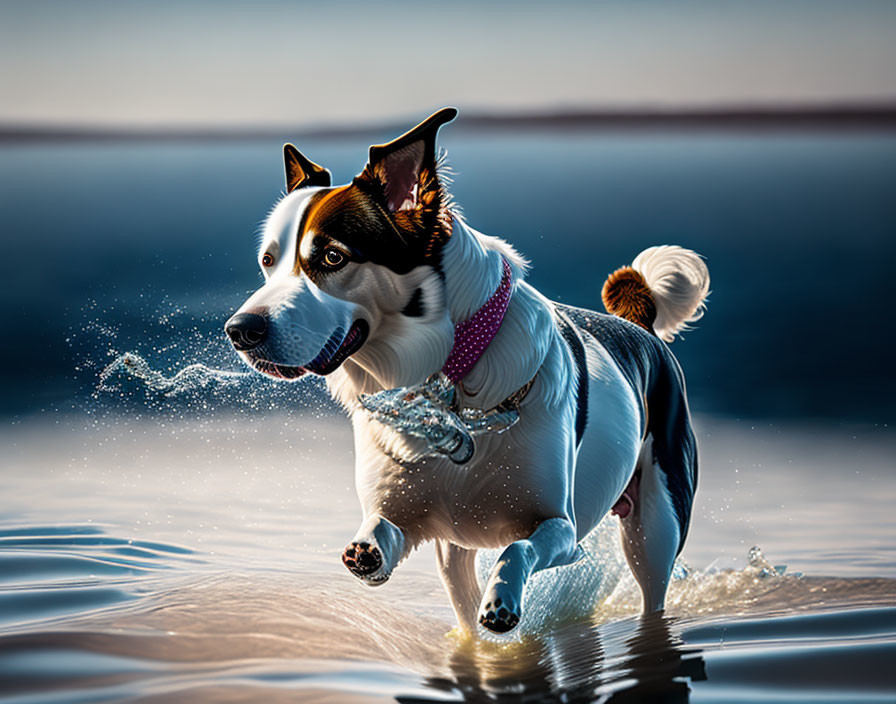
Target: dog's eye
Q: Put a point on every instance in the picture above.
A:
(333, 257)
(267, 260)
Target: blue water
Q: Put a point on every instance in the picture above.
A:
(155, 243)
(179, 541)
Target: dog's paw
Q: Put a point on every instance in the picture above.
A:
(499, 613)
(365, 561)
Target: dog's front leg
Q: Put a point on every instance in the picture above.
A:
(457, 567)
(378, 546)
(552, 544)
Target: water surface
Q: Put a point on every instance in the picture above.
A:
(180, 541)
(214, 573)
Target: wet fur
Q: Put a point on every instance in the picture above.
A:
(536, 490)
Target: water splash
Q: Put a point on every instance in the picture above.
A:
(600, 587)
(159, 358)
(694, 592)
(191, 378)
(568, 593)
(764, 568)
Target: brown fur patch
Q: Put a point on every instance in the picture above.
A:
(627, 295)
(321, 219)
(428, 222)
(301, 171)
(358, 220)
(364, 215)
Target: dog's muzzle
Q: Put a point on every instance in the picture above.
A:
(246, 330)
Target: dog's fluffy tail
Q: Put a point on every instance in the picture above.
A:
(663, 290)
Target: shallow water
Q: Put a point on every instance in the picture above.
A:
(214, 575)
(176, 536)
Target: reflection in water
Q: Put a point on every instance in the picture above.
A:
(659, 664)
(197, 560)
(274, 635)
(577, 662)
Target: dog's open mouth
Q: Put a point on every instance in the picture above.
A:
(339, 347)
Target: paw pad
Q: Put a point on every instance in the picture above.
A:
(498, 619)
(361, 559)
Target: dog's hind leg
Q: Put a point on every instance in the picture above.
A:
(378, 546)
(457, 568)
(553, 543)
(650, 532)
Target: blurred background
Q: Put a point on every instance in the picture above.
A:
(172, 535)
(140, 149)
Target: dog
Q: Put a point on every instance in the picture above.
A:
(369, 284)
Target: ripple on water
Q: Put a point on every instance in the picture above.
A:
(47, 572)
(272, 636)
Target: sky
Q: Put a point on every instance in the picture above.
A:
(228, 64)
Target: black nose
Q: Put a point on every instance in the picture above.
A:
(246, 330)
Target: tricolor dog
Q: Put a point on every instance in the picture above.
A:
(370, 284)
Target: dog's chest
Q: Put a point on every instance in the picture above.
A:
(487, 502)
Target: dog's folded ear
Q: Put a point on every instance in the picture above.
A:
(301, 171)
(405, 168)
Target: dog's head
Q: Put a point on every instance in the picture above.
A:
(342, 265)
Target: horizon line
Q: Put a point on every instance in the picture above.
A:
(831, 115)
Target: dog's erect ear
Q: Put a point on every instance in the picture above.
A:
(406, 167)
(301, 171)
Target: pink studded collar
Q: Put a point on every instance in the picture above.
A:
(472, 336)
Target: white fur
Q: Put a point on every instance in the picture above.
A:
(612, 439)
(650, 534)
(530, 490)
(533, 470)
(679, 281)
(279, 233)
